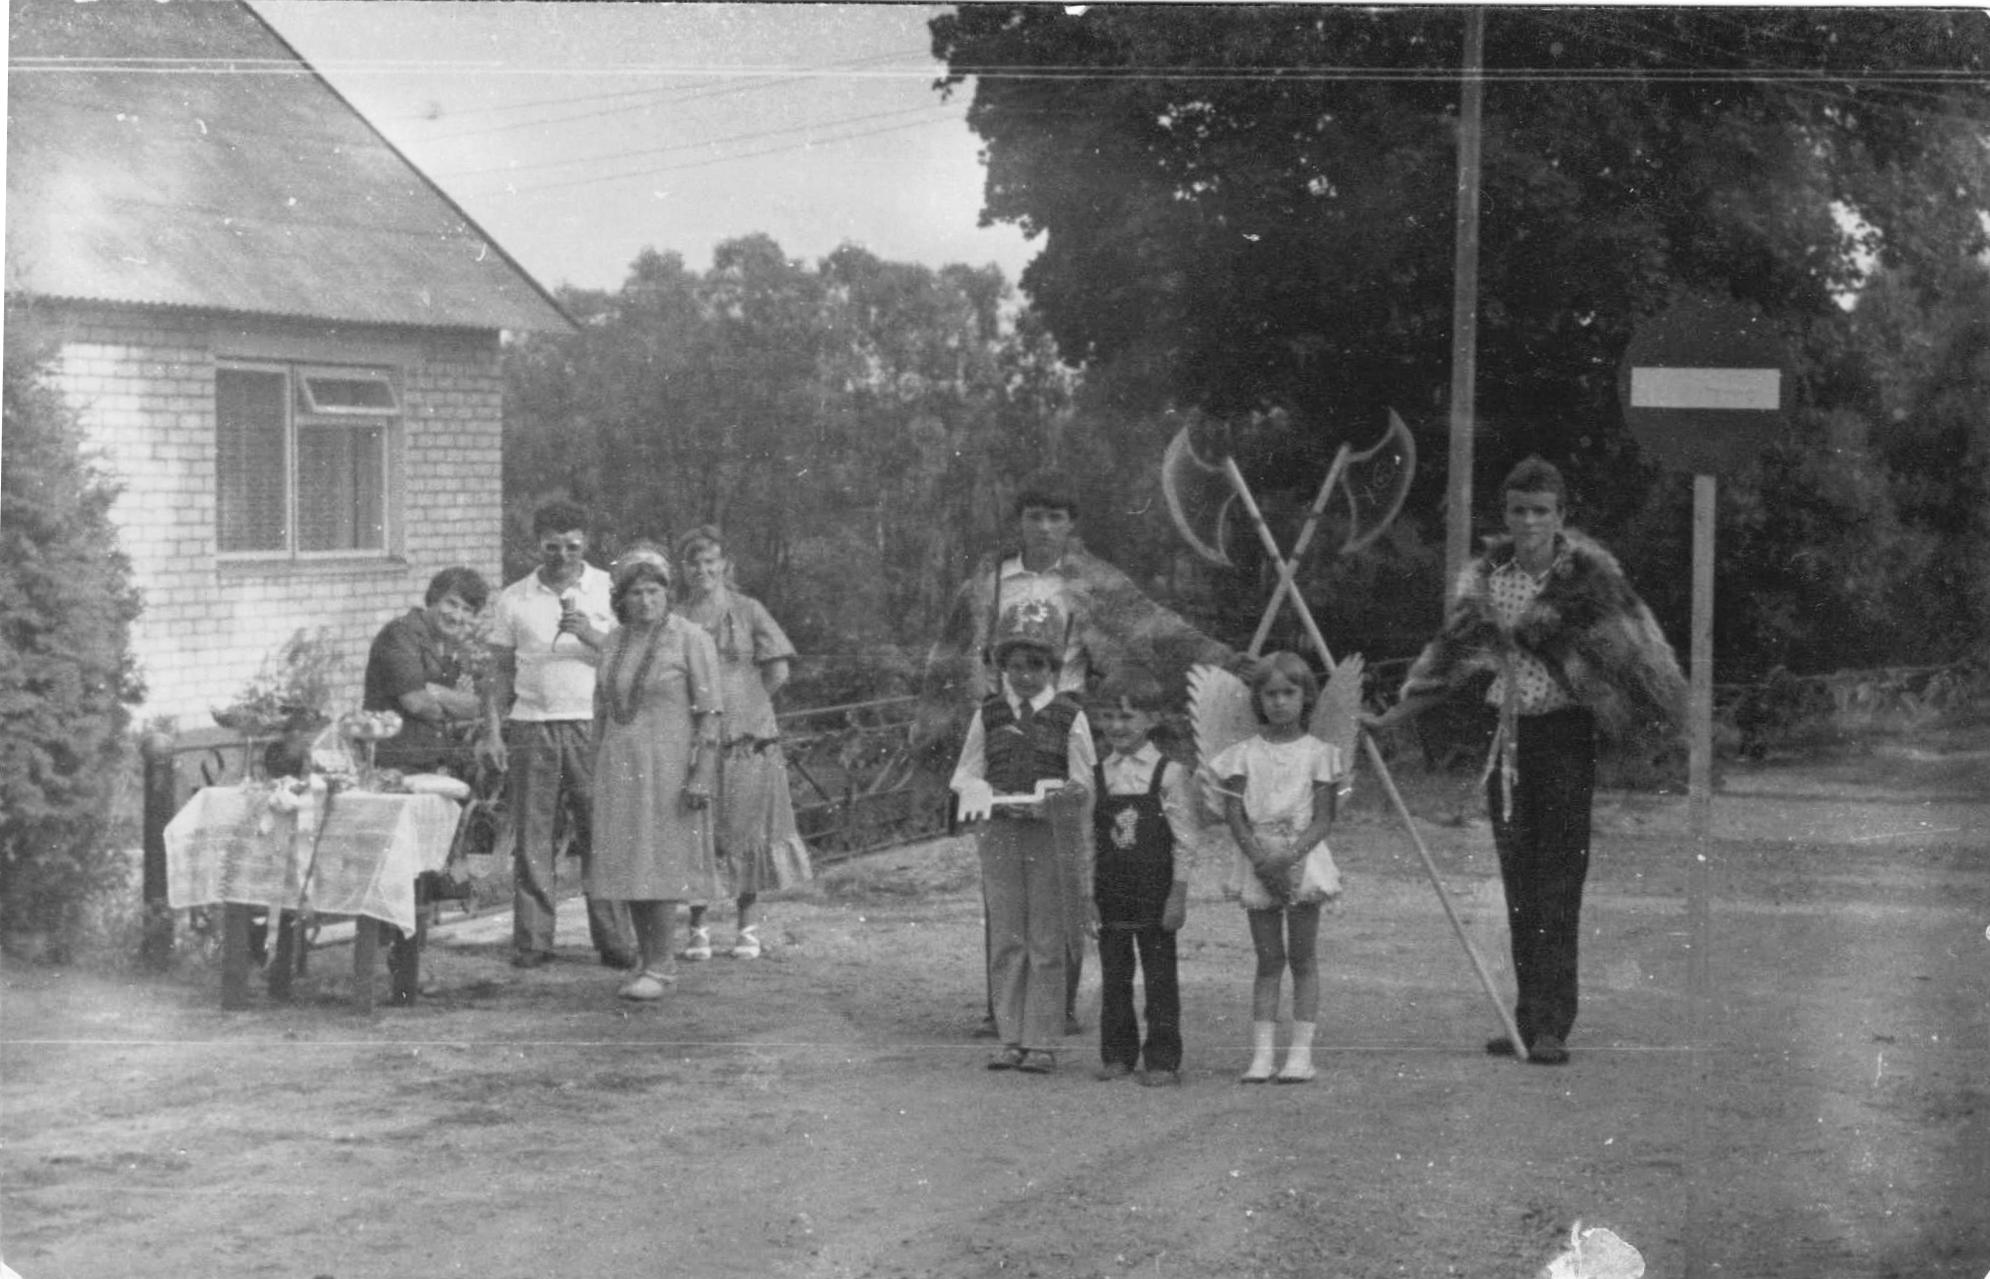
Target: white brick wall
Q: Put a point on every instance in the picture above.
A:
(143, 382)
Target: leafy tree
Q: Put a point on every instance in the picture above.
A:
(66, 608)
(1243, 206)
(849, 423)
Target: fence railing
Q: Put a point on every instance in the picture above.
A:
(851, 773)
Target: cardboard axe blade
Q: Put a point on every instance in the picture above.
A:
(1199, 496)
(1376, 481)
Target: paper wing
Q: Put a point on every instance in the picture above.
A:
(1219, 706)
(1337, 717)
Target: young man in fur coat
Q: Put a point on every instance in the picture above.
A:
(1574, 653)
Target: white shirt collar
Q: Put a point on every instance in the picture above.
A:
(1145, 756)
(1037, 703)
(1014, 567)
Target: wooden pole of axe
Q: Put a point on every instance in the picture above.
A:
(1285, 577)
(1289, 568)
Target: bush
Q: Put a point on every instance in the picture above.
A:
(66, 608)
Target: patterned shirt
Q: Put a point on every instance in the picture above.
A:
(1513, 588)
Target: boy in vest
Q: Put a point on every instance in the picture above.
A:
(1024, 735)
(1143, 836)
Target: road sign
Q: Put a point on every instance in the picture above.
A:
(1704, 385)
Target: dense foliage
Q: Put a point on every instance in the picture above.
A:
(1243, 206)
(66, 608)
(850, 424)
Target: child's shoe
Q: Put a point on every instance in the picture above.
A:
(748, 945)
(701, 945)
(1299, 1057)
(1264, 1047)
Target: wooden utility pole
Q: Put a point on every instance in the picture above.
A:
(1465, 303)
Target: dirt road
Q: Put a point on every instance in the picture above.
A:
(823, 1113)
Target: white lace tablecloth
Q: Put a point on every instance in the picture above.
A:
(229, 845)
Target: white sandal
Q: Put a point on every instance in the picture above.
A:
(748, 945)
(700, 947)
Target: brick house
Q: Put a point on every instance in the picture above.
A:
(281, 336)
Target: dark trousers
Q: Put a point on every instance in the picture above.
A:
(550, 779)
(1543, 845)
(1119, 1029)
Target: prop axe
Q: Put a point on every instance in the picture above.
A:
(1241, 492)
(1373, 483)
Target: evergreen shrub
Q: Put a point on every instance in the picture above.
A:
(66, 673)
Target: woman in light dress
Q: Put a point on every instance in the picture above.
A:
(656, 732)
(758, 849)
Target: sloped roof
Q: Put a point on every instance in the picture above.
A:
(180, 154)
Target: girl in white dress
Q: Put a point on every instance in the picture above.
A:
(1279, 794)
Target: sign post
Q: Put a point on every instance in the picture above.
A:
(1703, 386)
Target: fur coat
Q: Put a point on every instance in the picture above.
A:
(1587, 626)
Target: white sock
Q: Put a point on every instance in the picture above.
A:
(1264, 1048)
(1299, 1057)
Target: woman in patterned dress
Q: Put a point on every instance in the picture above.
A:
(656, 731)
(758, 849)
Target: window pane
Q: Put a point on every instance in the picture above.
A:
(340, 480)
(360, 393)
(250, 460)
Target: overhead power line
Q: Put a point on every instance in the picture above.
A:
(659, 170)
(926, 109)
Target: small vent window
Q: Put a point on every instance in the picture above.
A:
(347, 393)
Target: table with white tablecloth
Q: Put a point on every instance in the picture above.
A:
(332, 852)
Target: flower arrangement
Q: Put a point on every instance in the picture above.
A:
(290, 691)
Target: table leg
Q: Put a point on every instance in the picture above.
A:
(365, 947)
(404, 957)
(235, 955)
(283, 958)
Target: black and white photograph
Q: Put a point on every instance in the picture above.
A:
(986, 640)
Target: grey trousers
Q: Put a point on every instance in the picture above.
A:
(550, 782)
(1022, 881)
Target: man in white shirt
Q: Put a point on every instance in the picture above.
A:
(547, 633)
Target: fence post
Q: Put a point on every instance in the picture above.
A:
(161, 800)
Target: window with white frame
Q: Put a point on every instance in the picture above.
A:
(301, 459)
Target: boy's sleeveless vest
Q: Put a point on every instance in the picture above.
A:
(1135, 865)
(1020, 755)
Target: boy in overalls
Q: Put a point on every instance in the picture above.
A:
(1143, 829)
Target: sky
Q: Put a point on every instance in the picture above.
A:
(579, 134)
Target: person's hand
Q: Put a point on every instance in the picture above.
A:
(697, 792)
(1175, 913)
(1274, 871)
(976, 802)
(1390, 718)
(1092, 920)
(489, 748)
